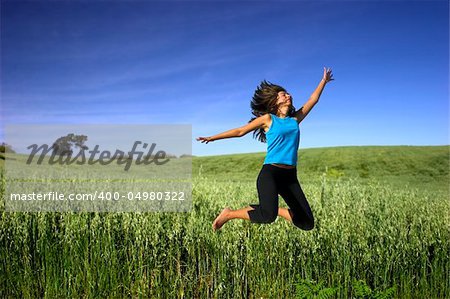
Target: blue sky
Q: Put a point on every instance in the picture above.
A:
(199, 62)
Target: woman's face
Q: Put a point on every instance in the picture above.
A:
(284, 99)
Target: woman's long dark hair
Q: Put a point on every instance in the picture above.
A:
(265, 101)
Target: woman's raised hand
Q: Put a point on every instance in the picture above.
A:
(205, 139)
(327, 75)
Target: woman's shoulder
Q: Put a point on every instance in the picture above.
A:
(266, 117)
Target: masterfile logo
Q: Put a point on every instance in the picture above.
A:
(105, 157)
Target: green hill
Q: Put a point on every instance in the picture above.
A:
(419, 166)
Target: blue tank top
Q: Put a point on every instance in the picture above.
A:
(283, 139)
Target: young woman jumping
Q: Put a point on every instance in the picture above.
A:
(276, 122)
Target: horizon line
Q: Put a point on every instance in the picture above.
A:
(333, 146)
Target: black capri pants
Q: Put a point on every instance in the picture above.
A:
(273, 180)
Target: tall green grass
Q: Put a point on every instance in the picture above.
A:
(365, 230)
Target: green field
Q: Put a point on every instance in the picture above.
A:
(382, 217)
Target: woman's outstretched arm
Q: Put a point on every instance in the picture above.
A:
(239, 132)
(314, 98)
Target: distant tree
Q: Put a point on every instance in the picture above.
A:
(64, 145)
(6, 148)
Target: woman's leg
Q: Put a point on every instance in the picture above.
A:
(265, 212)
(300, 213)
(285, 213)
(228, 214)
(267, 209)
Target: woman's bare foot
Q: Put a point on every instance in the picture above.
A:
(221, 219)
